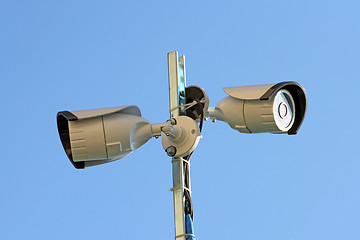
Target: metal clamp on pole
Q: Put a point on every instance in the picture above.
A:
(180, 188)
(184, 235)
(180, 160)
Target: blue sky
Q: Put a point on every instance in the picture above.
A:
(72, 55)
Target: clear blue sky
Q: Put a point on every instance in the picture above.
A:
(72, 55)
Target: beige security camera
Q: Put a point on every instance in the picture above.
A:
(93, 137)
(274, 108)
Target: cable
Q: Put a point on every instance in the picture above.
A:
(188, 208)
(188, 202)
(201, 114)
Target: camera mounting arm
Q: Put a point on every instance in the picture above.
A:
(180, 135)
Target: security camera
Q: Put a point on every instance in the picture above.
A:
(92, 137)
(274, 108)
(97, 136)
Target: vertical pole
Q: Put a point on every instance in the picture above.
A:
(177, 81)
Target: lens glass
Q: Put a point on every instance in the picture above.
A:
(284, 110)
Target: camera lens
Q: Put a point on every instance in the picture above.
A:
(284, 110)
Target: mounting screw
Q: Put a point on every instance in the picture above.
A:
(172, 121)
(171, 151)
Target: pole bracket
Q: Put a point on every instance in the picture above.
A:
(180, 160)
(180, 188)
(184, 235)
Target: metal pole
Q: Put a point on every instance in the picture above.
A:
(177, 82)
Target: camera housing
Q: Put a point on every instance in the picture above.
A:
(97, 136)
(274, 108)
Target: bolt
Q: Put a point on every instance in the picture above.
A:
(172, 121)
(171, 151)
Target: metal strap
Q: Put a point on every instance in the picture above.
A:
(181, 160)
(184, 235)
(187, 105)
(180, 188)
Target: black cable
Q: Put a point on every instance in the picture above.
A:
(201, 114)
(188, 201)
